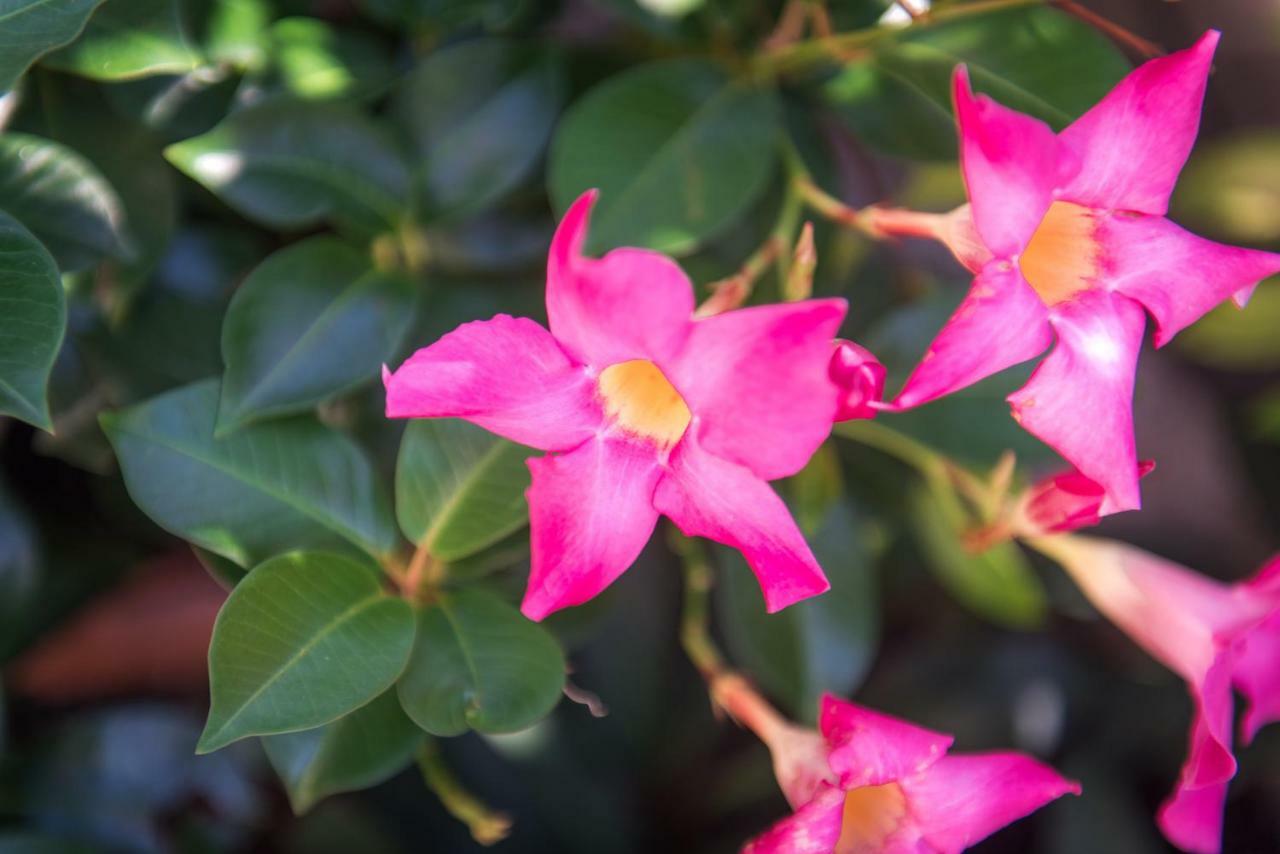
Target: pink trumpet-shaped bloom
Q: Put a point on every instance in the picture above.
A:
(645, 411)
(869, 783)
(1074, 245)
(1214, 636)
(1063, 502)
(860, 378)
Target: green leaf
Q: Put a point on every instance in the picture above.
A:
(356, 751)
(303, 640)
(826, 643)
(459, 488)
(223, 570)
(31, 28)
(290, 483)
(479, 114)
(316, 60)
(129, 38)
(236, 32)
(63, 199)
(677, 151)
(997, 584)
(477, 663)
(292, 164)
(313, 320)
(33, 320)
(1033, 59)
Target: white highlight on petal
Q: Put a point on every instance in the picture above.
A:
(1101, 348)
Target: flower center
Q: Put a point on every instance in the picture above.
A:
(871, 815)
(1062, 258)
(641, 400)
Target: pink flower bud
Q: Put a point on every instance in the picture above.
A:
(860, 377)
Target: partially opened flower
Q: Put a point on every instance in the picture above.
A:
(1213, 635)
(646, 411)
(873, 784)
(1063, 502)
(1073, 246)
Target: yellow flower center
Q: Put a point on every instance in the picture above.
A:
(641, 400)
(1062, 258)
(871, 815)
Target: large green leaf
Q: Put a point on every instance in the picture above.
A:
(477, 663)
(998, 583)
(677, 151)
(354, 752)
(63, 199)
(480, 115)
(30, 28)
(291, 164)
(459, 488)
(315, 59)
(1033, 59)
(313, 320)
(129, 38)
(33, 319)
(303, 640)
(290, 483)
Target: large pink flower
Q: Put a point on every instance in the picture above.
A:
(874, 784)
(1068, 237)
(1213, 635)
(646, 411)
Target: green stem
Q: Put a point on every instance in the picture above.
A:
(933, 465)
(695, 634)
(487, 826)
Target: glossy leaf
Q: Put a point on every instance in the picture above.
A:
(33, 320)
(459, 488)
(236, 32)
(998, 583)
(292, 164)
(63, 199)
(289, 483)
(313, 320)
(1033, 59)
(303, 640)
(129, 38)
(317, 60)
(31, 28)
(356, 751)
(826, 643)
(677, 151)
(480, 115)
(477, 663)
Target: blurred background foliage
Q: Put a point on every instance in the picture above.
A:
(286, 194)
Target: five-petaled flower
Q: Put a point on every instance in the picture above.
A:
(1213, 635)
(869, 783)
(1068, 238)
(646, 411)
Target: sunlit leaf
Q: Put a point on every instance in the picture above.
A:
(30, 28)
(129, 38)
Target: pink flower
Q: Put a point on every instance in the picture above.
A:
(860, 378)
(874, 784)
(1064, 502)
(1213, 635)
(1074, 245)
(646, 411)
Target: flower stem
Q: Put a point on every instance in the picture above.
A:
(487, 826)
(933, 465)
(1109, 28)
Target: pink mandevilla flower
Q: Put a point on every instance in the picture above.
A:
(1068, 237)
(1213, 635)
(869, 783)
(646, 411)
(1063, 502)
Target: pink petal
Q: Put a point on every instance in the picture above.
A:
(1257, 670)
(630, 304)
(812, 829)
(1011, 165)
(1000, 323)
(1080, 399)
(962, 799)
(506, 374)
(1192, 818)
(1066, 502)
(709, 497)
(1176, 275)
(756, 378)
(860, 378)
(1133, 144)
(590, 514)
(869, 748)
